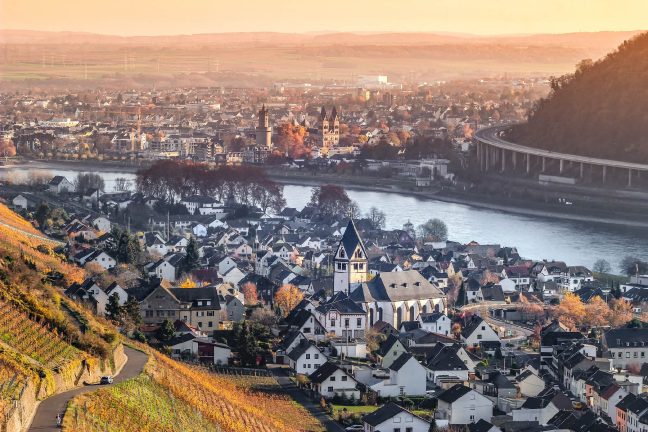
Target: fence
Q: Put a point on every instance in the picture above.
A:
(227, 370)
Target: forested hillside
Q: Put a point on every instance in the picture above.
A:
(600, 110)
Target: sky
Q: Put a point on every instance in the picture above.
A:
(169, 17)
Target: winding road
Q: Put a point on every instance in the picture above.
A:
(45, 416)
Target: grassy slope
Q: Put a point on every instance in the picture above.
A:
(196, 398)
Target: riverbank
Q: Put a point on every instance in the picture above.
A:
(494, 202)
(501, 204)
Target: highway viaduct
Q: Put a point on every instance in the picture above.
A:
(495, 153)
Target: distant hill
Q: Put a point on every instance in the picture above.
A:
(77, 59)
(601, 110)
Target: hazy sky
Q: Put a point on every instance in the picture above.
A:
(153, 17)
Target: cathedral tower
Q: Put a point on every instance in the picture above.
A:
(263, 129)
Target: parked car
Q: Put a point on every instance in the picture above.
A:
(355, 428)
(106, 380)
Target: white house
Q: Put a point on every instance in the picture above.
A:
(167, 267)
(405, 376)
(390, 350)
(121, 293)
(536, 409)
(60, 184)
(529, 384)
(393, 418)
(101, 258)
(330, 380)
(462, 405)
(476, 331)
(305, 358)
(435, 322)
(342, 317)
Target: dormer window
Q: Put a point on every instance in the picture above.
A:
(341, 253)
(199, 303)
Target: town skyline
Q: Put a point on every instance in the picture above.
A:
(146, 18)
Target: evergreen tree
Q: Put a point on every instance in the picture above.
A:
(42, 214)
(166, 331)
(191, 258)
(113, 309)
(131, 310)
(248, 346)
(461, 296)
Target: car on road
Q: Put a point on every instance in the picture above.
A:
(106, 380)
(355, 428)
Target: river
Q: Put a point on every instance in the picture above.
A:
(577, 243)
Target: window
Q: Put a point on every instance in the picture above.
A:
(210, 324)
(402, 391)
(199, 324)
(330, 389)
(304, 365)
(634, 354)
(472, 419)
(344, 377)
(332, 323)
(307, 356)
(344, 266)
(359, 322)
(408, 429)
(332, 379)
(627, 354)
(316, 356)
(479, 336)
(396, 429)
(346, 322)
(355, 267)
(483, 327)
(620, 354)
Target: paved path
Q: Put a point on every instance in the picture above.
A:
(281, 374)
(32, 235)
(45, 417)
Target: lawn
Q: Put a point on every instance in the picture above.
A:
(354, 409)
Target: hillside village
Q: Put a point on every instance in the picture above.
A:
(384, 329)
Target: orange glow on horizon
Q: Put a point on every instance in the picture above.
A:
(169, 17)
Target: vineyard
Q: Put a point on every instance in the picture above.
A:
(33, 339)
(234, 404)
(12, 383)
(140, 402)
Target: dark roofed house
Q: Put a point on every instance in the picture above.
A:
(330, 380)
(391, 417)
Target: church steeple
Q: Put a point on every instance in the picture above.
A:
(351, 265)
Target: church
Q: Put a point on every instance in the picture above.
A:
(329, 128)
(392, 297)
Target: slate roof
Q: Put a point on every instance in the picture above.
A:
(454, 393)
(383, 414)
(431, 317)
(387, 345)
(300, 349)
(323, 372)
(626, 337)
(193, 295)
(481, 426)
(341, 303)
(396, 286)
(400, 361)
(351, 240)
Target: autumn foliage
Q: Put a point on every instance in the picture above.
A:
(287, 297)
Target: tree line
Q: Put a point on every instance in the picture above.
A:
(169, 180)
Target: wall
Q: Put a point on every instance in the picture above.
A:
(25, 408)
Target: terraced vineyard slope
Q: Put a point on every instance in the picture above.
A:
(172, 396)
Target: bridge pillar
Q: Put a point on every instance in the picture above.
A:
(581, 170)
(503, 160)
(528, 161)
(513, 156)
(487, 152)
(630, 177)
(562, 165)
(544, 163)
(604, 173)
